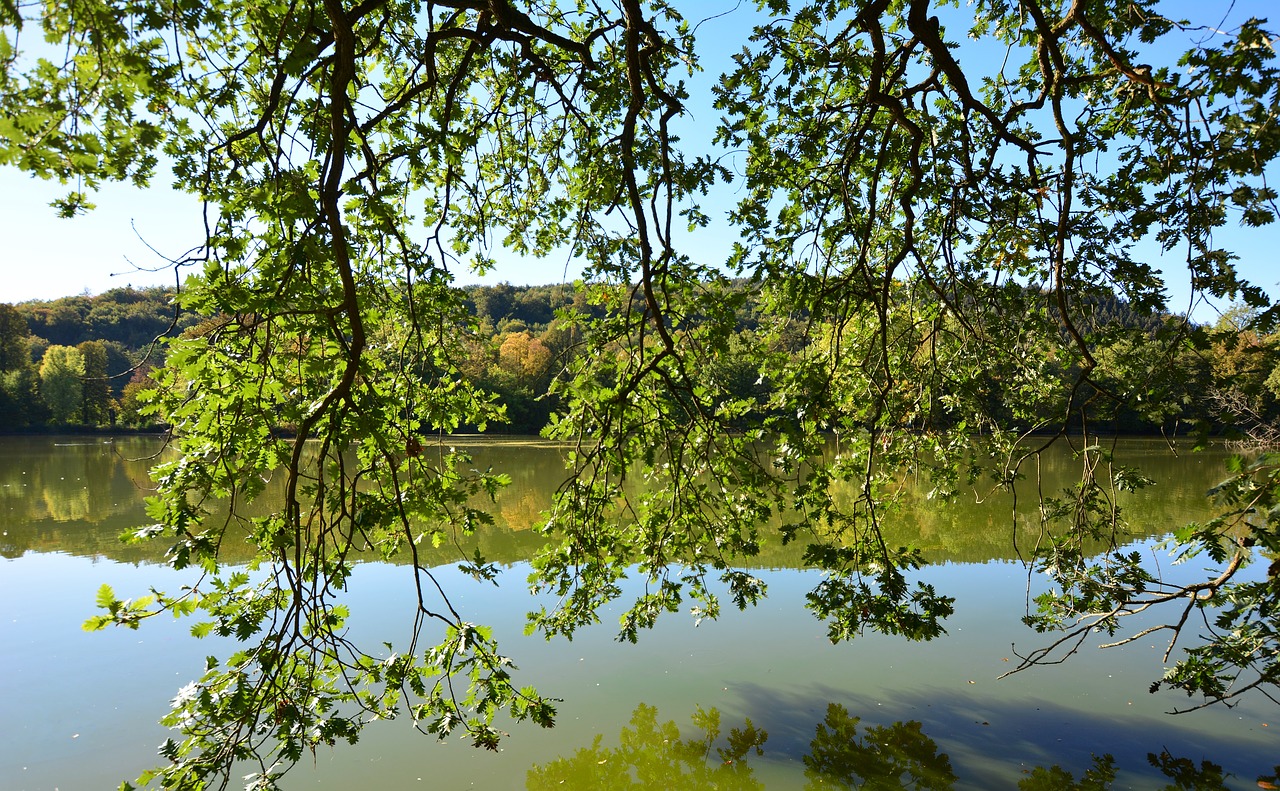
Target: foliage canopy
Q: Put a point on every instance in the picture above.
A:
(922, 239)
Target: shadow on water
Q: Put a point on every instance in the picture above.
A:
(992, 742)
(844, 750)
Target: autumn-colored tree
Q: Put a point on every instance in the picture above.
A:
(1242, 366)
(131, 402)
(525, 357)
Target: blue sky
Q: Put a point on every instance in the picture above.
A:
(126, 239)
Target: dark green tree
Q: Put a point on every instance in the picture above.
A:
(881, 757)
(19, 396)
(14, 352)
(96, 384)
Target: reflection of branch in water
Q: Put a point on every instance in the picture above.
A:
(1237, 649)
(1054, 778)
(884, 756)
(1272, 780)
(652, 755)
(1186, 776)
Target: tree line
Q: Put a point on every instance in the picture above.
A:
(82, 362)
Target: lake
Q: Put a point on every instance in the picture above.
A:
(758, 699)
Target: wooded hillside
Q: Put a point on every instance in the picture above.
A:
(1224, 378)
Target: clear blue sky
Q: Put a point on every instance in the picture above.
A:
(126, 239)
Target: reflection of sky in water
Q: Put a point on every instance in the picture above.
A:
(84, 705)
(81, 708)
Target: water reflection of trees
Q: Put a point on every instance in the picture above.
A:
(1098, 777)
(843, 753)
(69, 483)
(79, 499)
(72, 495)
(982, 523)
(881, 757)
(653, 755)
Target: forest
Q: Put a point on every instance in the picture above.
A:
(83, 363)
(104, 348)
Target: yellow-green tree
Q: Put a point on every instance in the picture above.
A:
(61, 382)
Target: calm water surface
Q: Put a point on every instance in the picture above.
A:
(755, 700)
